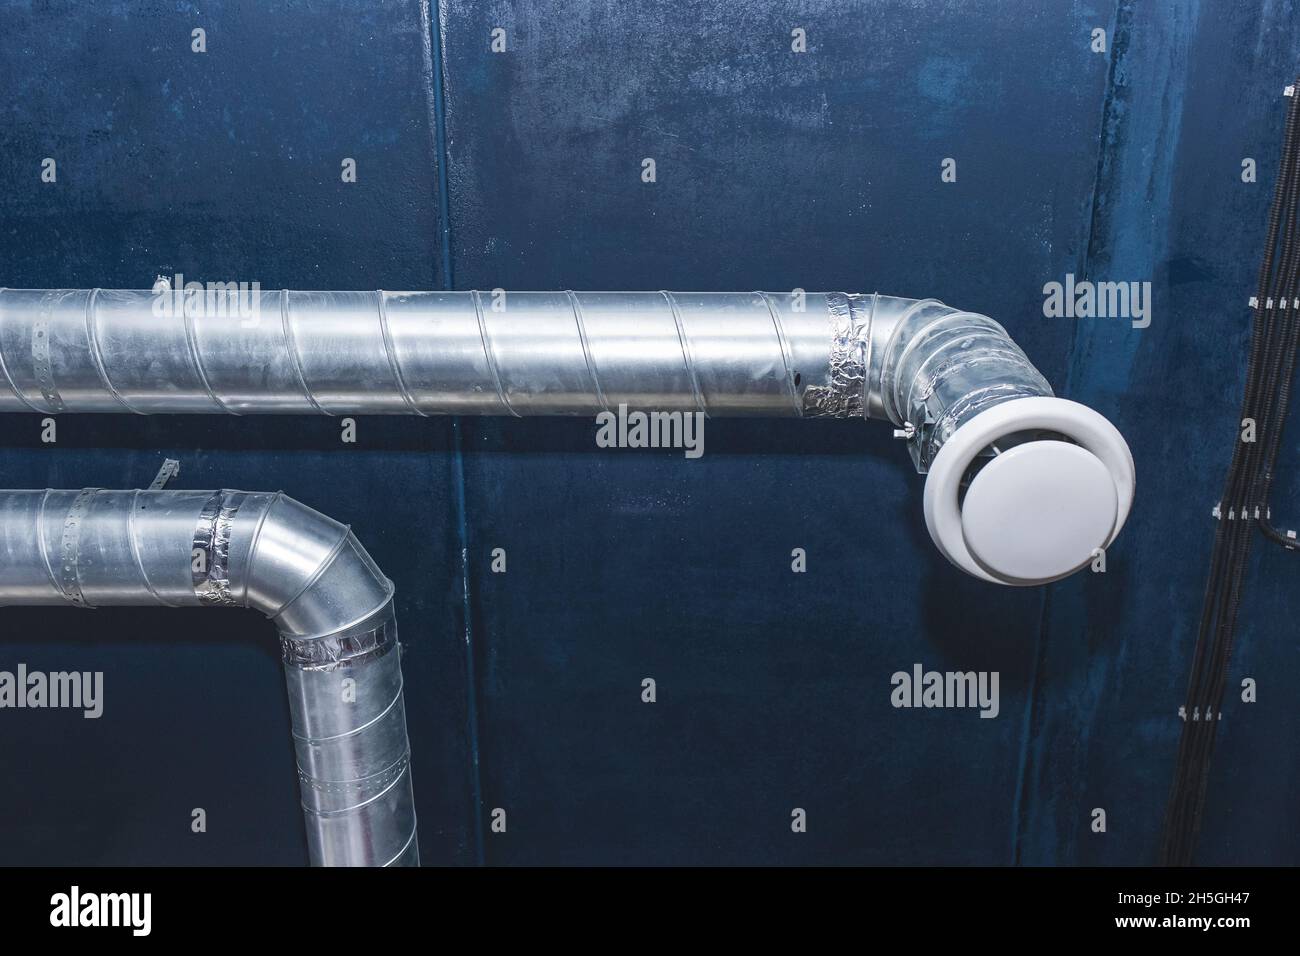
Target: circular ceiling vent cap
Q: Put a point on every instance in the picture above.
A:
(1040, 510)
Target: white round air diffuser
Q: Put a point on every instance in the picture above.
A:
(1039, 510)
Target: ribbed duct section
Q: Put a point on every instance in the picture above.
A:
(962, 392)
(305, 571)
(483, 353)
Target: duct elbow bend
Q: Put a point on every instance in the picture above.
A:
(334, 611)
(342, 663)
(1022, 487)
(305, 571)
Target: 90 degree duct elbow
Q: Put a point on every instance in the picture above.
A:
(305, 571)
(1022, 487)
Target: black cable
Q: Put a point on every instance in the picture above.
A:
(1270, 368)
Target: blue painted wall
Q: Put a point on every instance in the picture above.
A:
(775, 170)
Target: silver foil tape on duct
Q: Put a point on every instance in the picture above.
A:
(370, 637)
(939, 367)
(210, 567)
(842, 396)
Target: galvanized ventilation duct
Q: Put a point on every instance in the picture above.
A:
(1023, 487)
(308, 573)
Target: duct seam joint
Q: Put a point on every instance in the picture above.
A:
(383, 780)
(9, 379)
(134, 540)
(196, 355)
(402, 852)
(315, 575)
(684, 340)
(489, 356)
(398, 378)
(353, 808)
(252, 547)
(291, 348)
(96, 356)
(786, 361)
(586, 351)
(395, 702)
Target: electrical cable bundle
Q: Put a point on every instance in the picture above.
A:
(1274, 338)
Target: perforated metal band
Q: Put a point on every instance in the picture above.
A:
(70, 545)
(169, 470)
(41, 363)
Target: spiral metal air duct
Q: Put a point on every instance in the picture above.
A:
(307, 572)
(1022, 487)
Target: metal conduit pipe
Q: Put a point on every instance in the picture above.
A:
(1022, 487)
(308, 573)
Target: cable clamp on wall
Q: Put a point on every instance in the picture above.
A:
(1217, 513)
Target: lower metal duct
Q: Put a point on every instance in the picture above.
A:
(1023, 488)
(305, 571)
